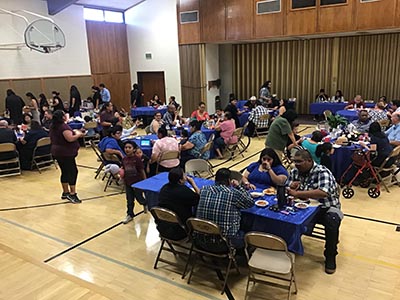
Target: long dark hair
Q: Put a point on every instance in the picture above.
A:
(266, 85)
(271, 153)
(30, 95)
(58, 119)
(375, 129)
(323, 148)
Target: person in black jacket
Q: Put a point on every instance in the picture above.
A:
(14, 105)
(176, 196)
(135, 96)
(232, 108)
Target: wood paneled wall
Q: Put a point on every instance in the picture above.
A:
(46, 85)
(193, 76)
(367, 65)
(237, 20)
(109, 59)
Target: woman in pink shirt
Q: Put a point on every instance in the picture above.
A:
(226, 129)
(200, 114)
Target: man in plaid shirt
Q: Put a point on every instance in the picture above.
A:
(309, 180)
(254, 118)
(221, 203)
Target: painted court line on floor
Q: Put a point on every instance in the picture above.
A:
(57, 203)
(112, 260)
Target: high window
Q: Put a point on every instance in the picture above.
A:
(101, 15)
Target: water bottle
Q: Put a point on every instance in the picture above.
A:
(281, 195)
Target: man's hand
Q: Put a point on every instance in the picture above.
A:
(295, 185)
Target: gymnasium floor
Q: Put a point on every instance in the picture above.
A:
(51, 249)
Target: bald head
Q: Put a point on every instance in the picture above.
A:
(395, 118)
(3, 123)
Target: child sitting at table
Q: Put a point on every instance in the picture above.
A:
(324, 152)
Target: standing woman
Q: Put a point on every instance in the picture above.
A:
(43, 102)
(34, 106)
(64, 148)
(75, 100)
(96, 97)
(56, 103)
(265, 91)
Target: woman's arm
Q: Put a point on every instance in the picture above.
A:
(246, 181)
(276, 179)
(186, 146)
(71, 137)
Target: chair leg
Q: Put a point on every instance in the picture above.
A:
(247, 287)
(228, 268)
(187, 262)
(383, 182)
(159, 254)
(192, 269)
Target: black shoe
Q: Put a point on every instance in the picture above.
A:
(330, 265)
(65, 195)
(73, 198)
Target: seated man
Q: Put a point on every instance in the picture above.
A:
(221, 203)
(251, 103)
(171, 117)
(163, 144)
(356, 103)
(254, 118)
(393, 133)
(7, 135)
(47, 119)
(362, 124)
(176, 196)
(309, 180)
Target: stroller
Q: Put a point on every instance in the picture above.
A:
(362, 164)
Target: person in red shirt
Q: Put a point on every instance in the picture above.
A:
(200, 113)
(133, 171)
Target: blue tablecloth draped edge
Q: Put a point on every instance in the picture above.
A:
(289, 227)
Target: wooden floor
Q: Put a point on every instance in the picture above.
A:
(42, 257)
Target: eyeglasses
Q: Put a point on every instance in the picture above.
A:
(298, 161)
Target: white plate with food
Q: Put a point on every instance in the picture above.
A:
(301, 205)
(261, 203)
(269, 191)
(256, 194)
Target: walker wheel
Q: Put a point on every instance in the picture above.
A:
(374, 192)
(348, 192)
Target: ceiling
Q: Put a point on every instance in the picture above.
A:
(110, 4)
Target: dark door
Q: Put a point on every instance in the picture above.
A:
(152, 83)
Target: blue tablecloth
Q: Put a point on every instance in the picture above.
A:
(146, 111)
(341, 160)
(146, 149)
(289, 227)
(349, 115)
(152, 186)
(319, 108)
(76, 125)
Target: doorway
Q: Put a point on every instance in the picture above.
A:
(152, 83)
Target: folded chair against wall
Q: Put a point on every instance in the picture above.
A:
(201, 233)
(391, 170)
(9, 166)
(42, 157)
(270, 263)
(172, 233)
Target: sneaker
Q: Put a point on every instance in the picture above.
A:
(77, 200)
(330, 265)
(65, 195)
(128, 218)
(73, 198)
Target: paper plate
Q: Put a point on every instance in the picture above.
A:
(261, 203)
(301, 205)
(256, 194)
